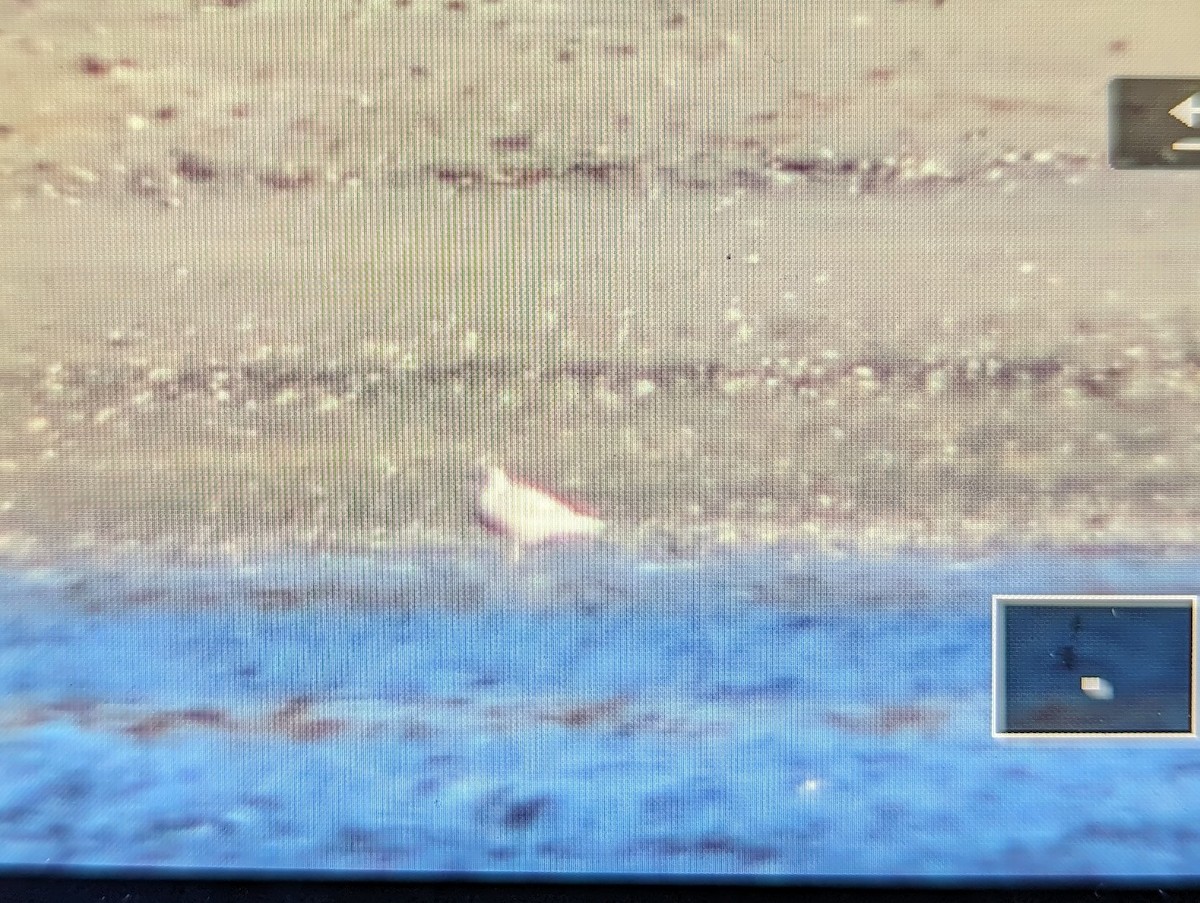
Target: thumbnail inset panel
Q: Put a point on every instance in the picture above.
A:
(1154, 123)
(1094, 665)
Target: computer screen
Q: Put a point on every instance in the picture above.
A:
(595, 438)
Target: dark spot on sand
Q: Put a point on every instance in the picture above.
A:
(512, 143)
(889, 720)
(602, 172)
(799, 624)
(192, 168)
(206, 717)
(416, 730)
(94, 65)
(82, 709)
(588, 715)
(1102, 383)
(149, 728)
(295, 707)
(523, 814)
(748, 854)
(521, 176)
(459, 176)
(286, 180)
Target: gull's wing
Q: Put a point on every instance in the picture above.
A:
(533, 502)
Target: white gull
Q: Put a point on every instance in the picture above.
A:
(527, 514)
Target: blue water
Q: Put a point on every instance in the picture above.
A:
(752, 714)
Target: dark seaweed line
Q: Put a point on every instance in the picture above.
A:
(264, 380)
(763, 174)
(188, 173)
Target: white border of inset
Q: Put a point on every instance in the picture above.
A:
(1106, 601)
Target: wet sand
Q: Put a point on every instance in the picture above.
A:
(858, 275)
(783, 716)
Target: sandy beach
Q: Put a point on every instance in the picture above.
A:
(279, 272)
(832, 312)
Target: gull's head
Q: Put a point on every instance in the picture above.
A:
(486, 475)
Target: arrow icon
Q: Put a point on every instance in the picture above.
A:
(1154, 123)
(1187, 111)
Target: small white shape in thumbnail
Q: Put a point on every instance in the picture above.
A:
(1096, 688)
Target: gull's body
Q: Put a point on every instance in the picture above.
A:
(525, 513)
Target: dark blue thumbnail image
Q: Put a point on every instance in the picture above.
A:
(1095, 667)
